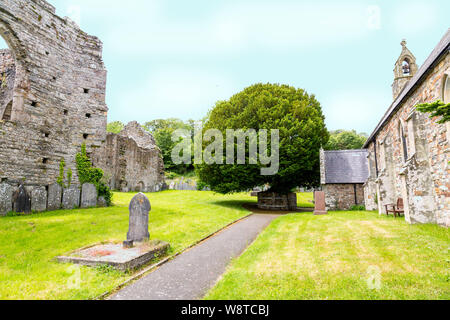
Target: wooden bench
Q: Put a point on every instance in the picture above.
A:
(396, 209)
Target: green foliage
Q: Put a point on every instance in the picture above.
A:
(60, 179)
(301, 123)
(88, 174)
(437, 109)
(345, 140)
(69, 177)
(162, 130)
(201, 185)
(115, 127)
(358, 208)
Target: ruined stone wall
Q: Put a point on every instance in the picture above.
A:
(131, 160)
(7, 79)
(342, 196)
(423, 179)
(58, 95)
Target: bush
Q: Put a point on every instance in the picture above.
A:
(358, 208)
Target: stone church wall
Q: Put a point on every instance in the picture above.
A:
(423, 179)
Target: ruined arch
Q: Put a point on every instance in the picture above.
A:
(14, 78)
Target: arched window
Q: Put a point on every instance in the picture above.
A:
(403, 141)
(446, 91)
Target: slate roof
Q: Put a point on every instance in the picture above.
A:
(442, 49)
(348, 166)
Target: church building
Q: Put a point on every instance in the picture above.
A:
(408, 153)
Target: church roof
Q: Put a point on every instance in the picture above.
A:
(348, 166)
(439, 51)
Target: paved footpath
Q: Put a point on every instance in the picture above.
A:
(190, 275)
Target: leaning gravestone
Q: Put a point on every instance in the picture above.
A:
(22, 200)
(38, 199)
(139, 213)
(88, 195)
(6, 194)
(71, 198)
(54, 197)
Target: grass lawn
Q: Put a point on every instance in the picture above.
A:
(28, 244)
(304, 200)
(301, 256)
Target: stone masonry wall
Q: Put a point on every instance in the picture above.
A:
(58, 95)
(342, 196)
(423, 179)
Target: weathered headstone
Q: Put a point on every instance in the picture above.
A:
(54, 197)
(320, 206)
(139, 213)
(22, 200)
(6, 194)
(71, 198)
(38, 199)
(102, 202)
(88, 195)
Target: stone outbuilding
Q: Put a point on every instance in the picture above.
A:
(408, 151)
(343, 174)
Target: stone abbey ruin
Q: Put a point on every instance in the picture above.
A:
(52, 100)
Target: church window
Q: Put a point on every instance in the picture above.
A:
(411, 136)
(403, 141)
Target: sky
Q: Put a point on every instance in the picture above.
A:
(177, 58)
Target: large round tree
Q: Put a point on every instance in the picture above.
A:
(298, 117)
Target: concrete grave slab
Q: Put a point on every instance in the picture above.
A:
(115, 255)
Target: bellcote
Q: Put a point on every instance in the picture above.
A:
(405, 69)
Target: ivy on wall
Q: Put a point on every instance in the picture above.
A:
(89, 174)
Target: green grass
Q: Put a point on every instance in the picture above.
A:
(29, 244)
(301, 256)
(304, 200)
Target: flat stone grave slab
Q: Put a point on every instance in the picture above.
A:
(115, 255)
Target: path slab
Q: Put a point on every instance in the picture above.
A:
(190, 275)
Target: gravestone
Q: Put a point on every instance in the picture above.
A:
(54, 197)
(22, 200)
(6, 194)
(38, 199)
(139, 212)
(320, 206)
(88, 195)
(102, 202)
(71, 198)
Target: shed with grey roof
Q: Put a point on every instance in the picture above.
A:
(343, 175)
